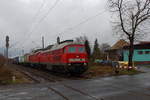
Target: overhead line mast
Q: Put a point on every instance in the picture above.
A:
(7, 45)
(43, 42)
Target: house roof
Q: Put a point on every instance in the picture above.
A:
(119, 45)
(144, 42)
(140, 46)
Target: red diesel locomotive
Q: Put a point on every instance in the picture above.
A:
(66, 56)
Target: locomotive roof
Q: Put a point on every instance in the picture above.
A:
(62, 45)
(56, 46)
(59, 46)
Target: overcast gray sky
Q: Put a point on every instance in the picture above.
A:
(26, 21)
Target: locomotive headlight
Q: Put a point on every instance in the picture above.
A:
(69, 64)
(85, 64)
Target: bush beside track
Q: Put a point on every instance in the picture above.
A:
(96, 70)
(8, 75)
(7, 72)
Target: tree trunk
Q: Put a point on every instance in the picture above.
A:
(131, 51)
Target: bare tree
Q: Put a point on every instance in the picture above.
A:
(81, 39)
(131, 20)
(85, 41)
(104, 47)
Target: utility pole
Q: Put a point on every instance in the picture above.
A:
(58, 40)
(23, 52)
(43, 42)
(7, 45)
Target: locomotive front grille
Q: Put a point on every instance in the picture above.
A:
(76, 59)
(78, 64)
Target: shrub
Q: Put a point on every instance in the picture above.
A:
(5, 75)
(2, 60)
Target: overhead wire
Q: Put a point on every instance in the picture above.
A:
(82, 22)
(32, 23)
(36, 44)
(70, 28)
(49, 10)
(39, 10)
(35, 24)
(88, 19)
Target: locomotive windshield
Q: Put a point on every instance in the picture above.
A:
(72, 49)
(81, 49)
(75, 50)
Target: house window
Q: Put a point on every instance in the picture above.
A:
(147, 52)
(140, 52)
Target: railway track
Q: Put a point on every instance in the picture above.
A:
(59, 93)
(42, 77)
(38, 76)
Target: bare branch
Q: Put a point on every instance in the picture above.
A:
(132, 16)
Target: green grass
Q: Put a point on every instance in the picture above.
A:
(129, 72)
(147, 66)
(6, 75)
(99, 70)
(5, 82)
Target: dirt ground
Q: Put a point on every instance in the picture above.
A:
(8, 75)
(98, 71)
(105, 71)
(107, 88)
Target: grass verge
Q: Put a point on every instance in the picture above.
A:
(103, 71)
(129, 72)
(147, 66)
(11, 76)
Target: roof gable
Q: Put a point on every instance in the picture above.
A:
(119, 45)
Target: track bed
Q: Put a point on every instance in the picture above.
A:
(45, 76)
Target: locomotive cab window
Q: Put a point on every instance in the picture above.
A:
(71, 49)
(81, 49)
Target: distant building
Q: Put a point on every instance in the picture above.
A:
(141, 53)
(120, 52)
(115, 53)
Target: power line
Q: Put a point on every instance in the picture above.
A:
(36, 43)
(34, 22)
(71, 28)
(39, 10)
(82, 22)
(11, 46)
(50, 9)
(36, 15)
(86, 20)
